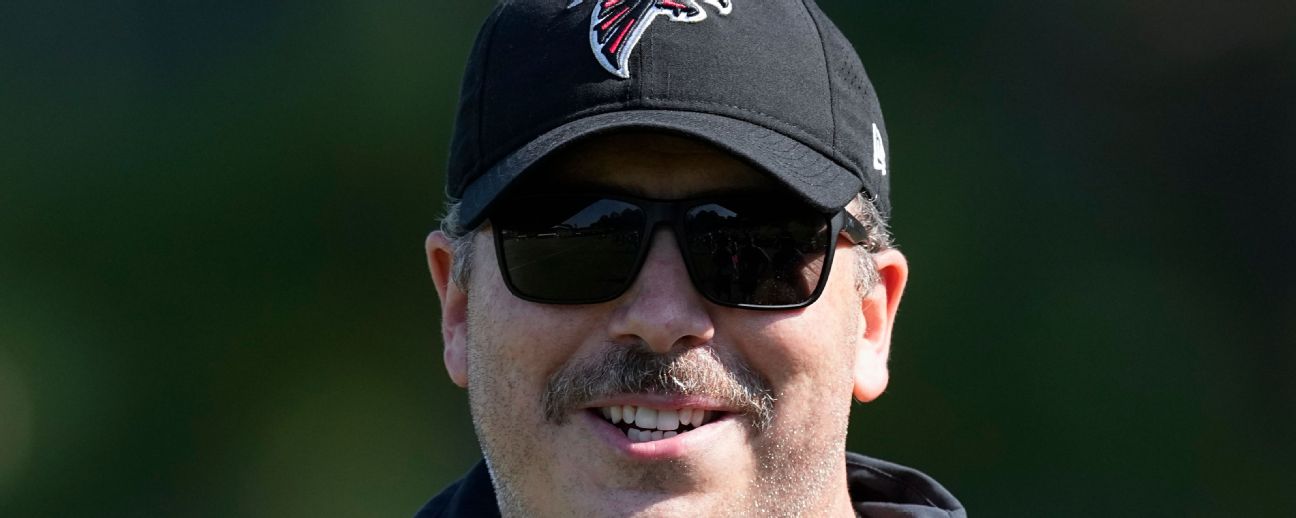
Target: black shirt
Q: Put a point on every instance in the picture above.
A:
(878, 489)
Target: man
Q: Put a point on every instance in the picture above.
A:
(665, 272)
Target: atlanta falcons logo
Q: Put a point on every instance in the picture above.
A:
(617, 25)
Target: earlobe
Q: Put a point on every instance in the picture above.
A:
(879, 308)
(454, 307)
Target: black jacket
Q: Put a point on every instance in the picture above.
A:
(878, 489)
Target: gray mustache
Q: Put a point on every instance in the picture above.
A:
(635, 369)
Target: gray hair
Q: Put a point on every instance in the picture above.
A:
(866, 275)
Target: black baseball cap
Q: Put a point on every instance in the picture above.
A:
(771, 81)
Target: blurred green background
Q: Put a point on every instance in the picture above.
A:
(213, 299)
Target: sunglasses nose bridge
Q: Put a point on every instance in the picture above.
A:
(659, 215)
(669, 216)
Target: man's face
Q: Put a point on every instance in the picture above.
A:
(775, 386)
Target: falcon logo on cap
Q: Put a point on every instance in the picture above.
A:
(617, 25)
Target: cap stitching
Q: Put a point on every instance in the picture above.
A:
(482, 166)
(637, 83)
(481, 101)
(808, 135)
(832, 111)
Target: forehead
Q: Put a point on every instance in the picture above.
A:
(652, 165)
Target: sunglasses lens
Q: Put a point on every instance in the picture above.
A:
(756, 254)
(570, 249)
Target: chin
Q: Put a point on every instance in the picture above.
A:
(623, 503)
(596, 481)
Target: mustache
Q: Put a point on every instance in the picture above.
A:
(635, 369)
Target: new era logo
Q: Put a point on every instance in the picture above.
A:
(879, 152)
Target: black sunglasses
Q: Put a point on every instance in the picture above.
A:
(756, 252)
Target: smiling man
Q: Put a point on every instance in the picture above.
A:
(665, 271)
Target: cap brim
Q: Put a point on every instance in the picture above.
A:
(814, 177)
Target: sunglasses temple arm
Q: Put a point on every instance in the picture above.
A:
(853, 228)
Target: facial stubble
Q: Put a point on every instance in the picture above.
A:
(795, 460)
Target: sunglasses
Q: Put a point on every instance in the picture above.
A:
(755, 252)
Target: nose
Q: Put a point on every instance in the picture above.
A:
(662, 309)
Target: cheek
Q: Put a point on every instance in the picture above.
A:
(811, 351)
(515, 346)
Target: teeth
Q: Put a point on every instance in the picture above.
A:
(646, 418)
(653, 419)
(637, 435)
(667, 420)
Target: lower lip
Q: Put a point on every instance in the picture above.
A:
(682, 445)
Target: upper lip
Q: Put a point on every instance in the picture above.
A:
(661, 401)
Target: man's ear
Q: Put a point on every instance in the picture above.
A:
(454, 307)
(879, 309)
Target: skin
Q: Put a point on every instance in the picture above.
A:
(504, 350)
